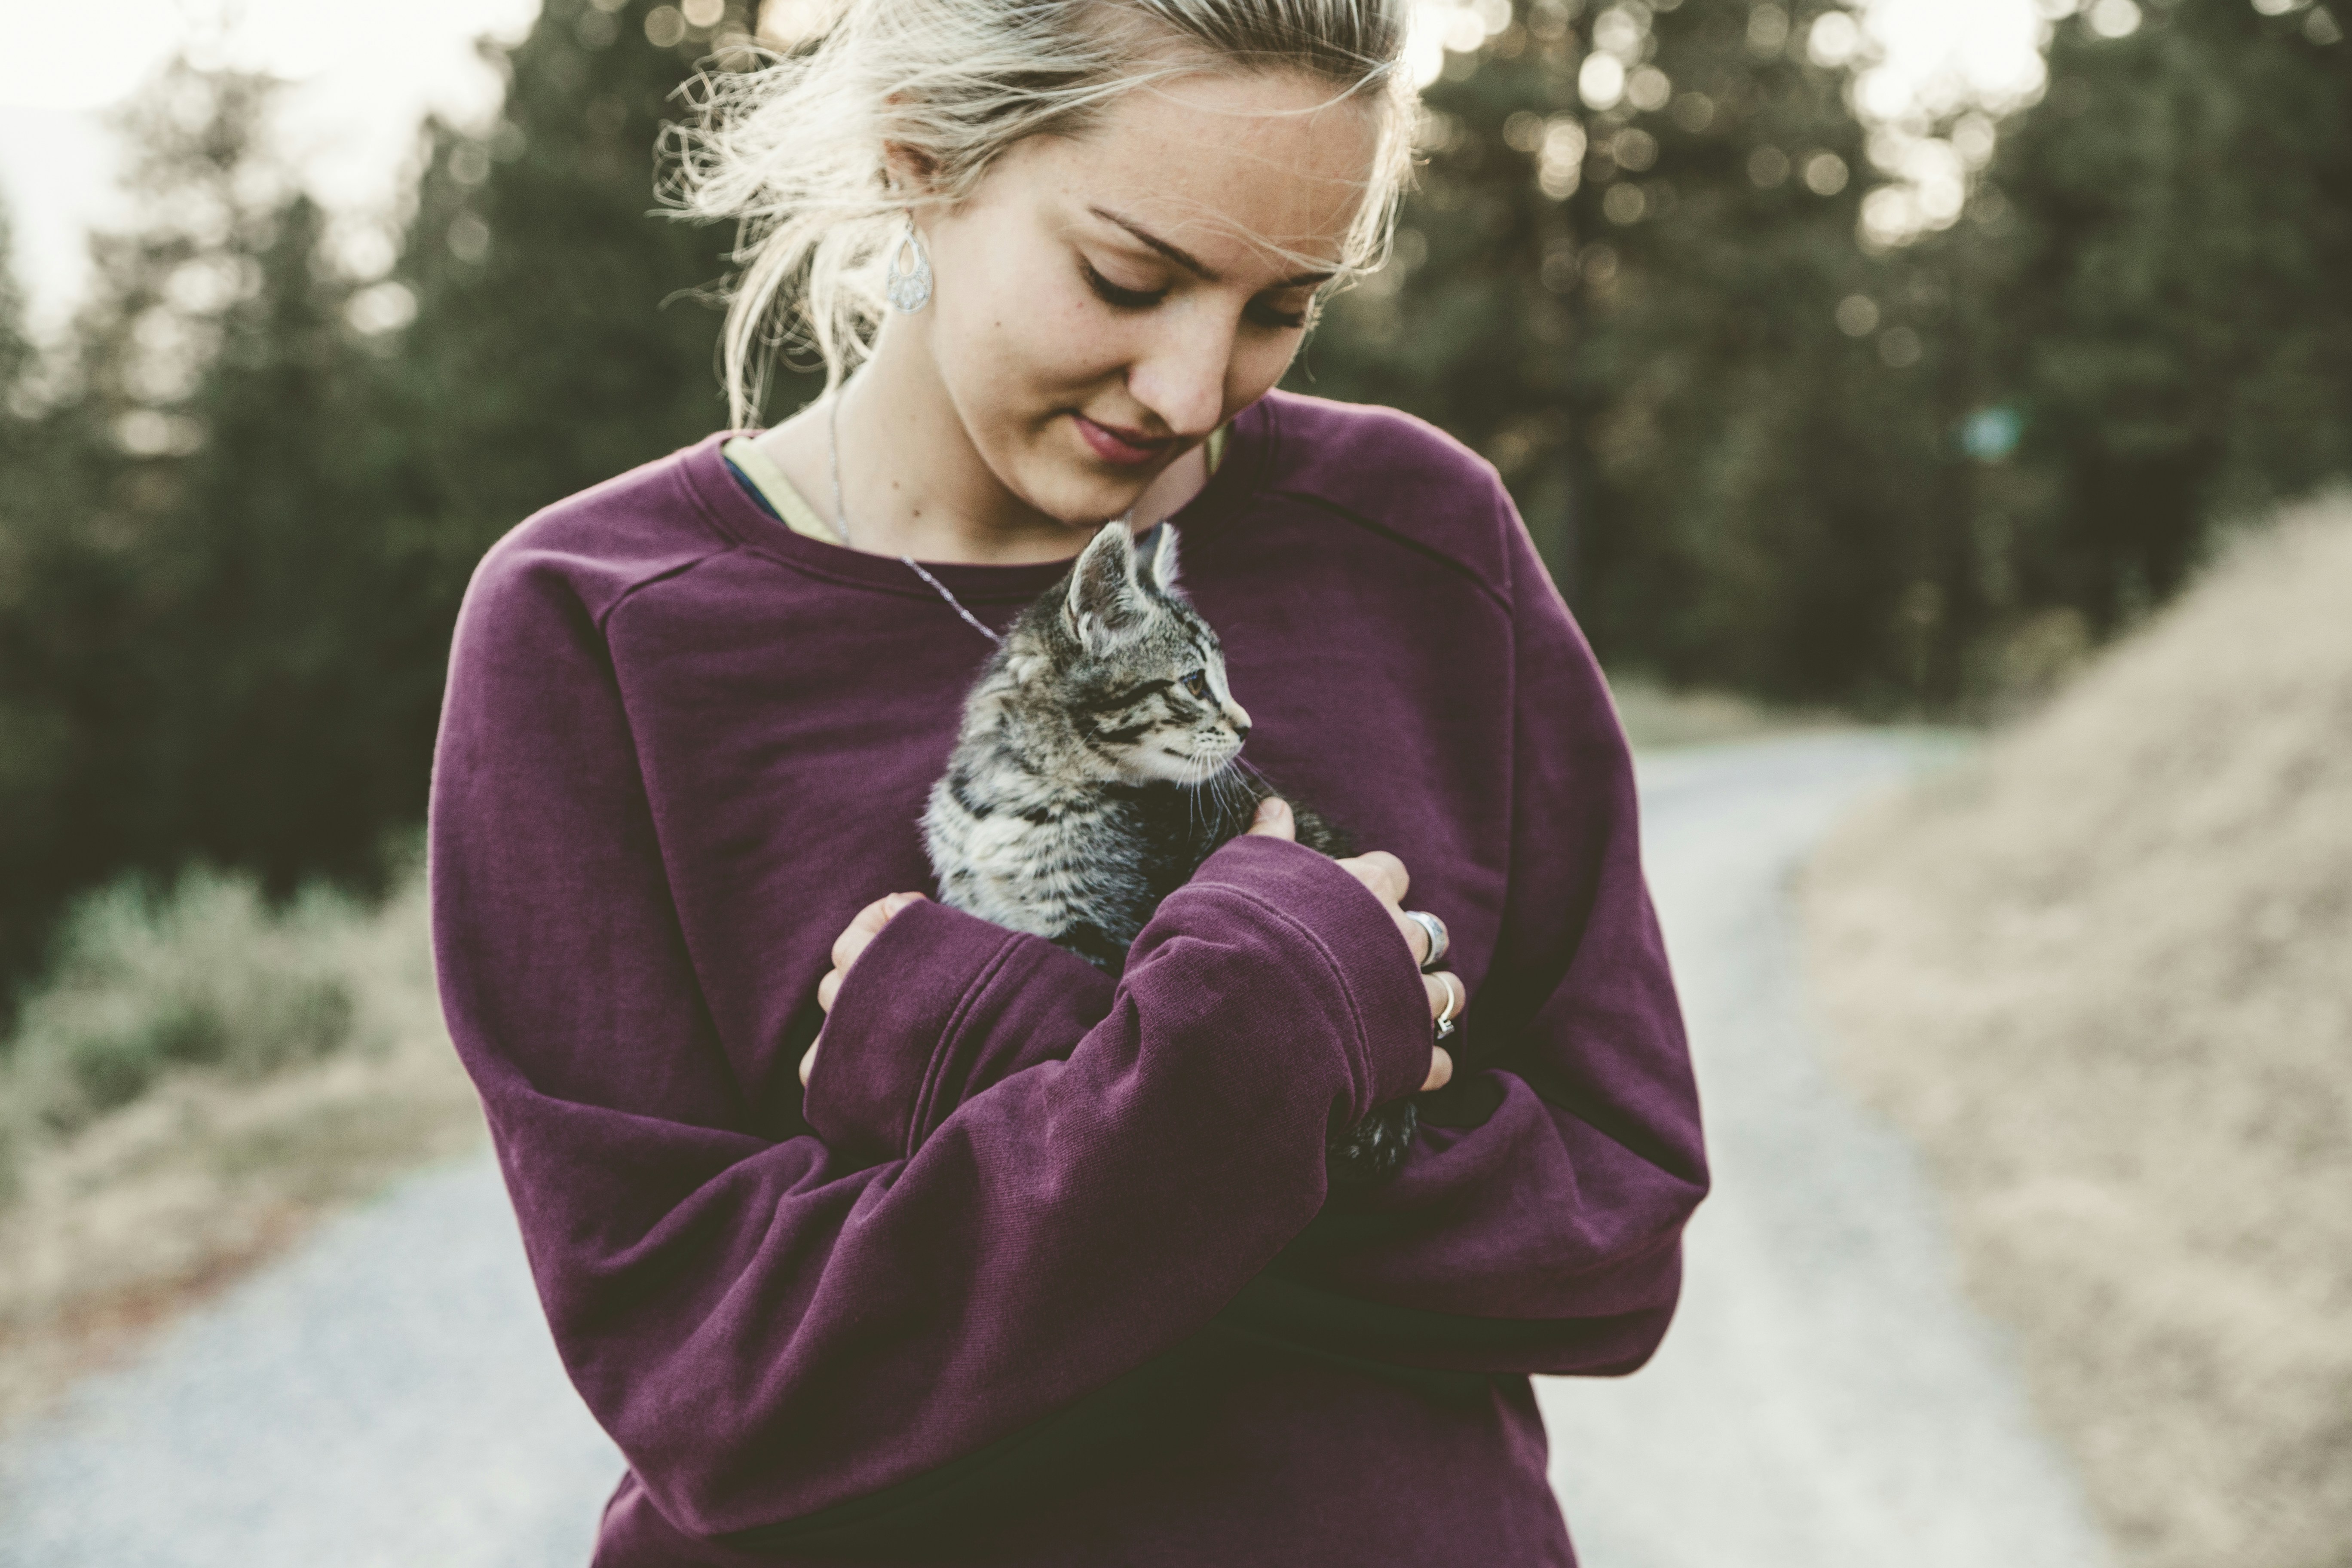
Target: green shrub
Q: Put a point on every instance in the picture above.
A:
(202, 973)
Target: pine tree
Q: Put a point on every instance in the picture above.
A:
(32, 740)
(225, 618)
(96, 527)
(2175, 330)
(1623, 275)
(16, 347)
(192, 578)
(564, 328)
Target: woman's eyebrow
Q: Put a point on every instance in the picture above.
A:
(1194, 264)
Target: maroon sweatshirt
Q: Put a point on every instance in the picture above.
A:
(1041, 1269)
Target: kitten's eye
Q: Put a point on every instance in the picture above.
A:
(1197, 683)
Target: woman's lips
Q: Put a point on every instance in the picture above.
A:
(1126, 449)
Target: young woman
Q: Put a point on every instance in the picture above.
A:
(1014, 1262)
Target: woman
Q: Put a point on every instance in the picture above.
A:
(1014, 1262)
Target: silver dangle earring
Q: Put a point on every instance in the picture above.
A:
(910, 288)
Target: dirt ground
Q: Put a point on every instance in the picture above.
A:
(2103, 973)
(170, 1198)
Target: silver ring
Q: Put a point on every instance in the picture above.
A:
(1456, 1000)
(1438, 941)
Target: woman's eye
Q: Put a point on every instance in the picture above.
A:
(1112, 294)
(1268, 315)
(1197, 683)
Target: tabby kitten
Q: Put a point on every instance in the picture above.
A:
(1095, 771)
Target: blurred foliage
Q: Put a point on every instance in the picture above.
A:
(239, 519)
(563, 332)
(1761, 455)
(1634, 313)
(197, 973)
(199, 985)
(2169, 311)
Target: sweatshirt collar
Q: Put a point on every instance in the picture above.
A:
(702, 470)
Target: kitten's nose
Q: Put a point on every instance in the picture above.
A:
(1238, 716)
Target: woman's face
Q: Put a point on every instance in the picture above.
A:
(1102, 304)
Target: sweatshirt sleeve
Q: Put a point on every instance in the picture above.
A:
(1535, 1225)
(976, 1002)
(771, 1331)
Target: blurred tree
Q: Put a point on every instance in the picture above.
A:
(563, 330)
(2172, 318)
(227, 587)
(29, 742)
(16, 347)
(557, 329)
(171, 494)
(239, 513)
(1632, 280)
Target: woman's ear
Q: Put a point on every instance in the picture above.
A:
(906, 170)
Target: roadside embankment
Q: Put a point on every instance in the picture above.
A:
(198, 1082)
(2103, 973)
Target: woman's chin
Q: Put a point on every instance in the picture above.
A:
(1078, 488)
(1089, 506)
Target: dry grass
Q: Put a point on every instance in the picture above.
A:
(2103, 973)
(119, 1222)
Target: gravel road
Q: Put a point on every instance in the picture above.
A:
(388, 1396)
(1826, 1398)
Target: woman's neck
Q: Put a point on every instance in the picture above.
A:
(912, 480)
(911, 483)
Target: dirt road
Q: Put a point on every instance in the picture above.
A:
(1826, 1399)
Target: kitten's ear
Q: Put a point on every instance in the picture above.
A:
(1103, 598)
(1160, 570)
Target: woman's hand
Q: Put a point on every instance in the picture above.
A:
(1385, 875)
(863, 928)
(1381, 871)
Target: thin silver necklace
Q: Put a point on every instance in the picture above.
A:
(841, 521)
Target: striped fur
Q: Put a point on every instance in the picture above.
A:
(1096, 768)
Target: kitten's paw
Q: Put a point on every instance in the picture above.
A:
(1369, 1152)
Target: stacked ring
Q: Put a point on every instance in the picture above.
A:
(1438, 939)
(1456, 1000)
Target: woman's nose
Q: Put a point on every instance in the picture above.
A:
(1182, 377)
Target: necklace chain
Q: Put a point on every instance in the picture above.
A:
(841, 525)
(841, 521)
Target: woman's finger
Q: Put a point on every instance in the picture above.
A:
(1275, 820)
(851, 943)
(808, 1058)
(1441, 1068)
(1444, 997)
(828, 988)
(1382, 872)
(861, 928)
(1415, 934)
(866, 925)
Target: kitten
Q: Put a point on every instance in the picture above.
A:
(1096, 769)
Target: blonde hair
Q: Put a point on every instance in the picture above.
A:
(791, 150)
